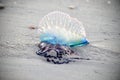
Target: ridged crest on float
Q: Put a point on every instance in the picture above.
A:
(62, 25)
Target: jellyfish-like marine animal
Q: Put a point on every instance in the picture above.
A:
(59, 33)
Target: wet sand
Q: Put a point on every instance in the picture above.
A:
(18, 43)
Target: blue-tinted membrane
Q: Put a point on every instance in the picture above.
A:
(81, 42)
(53, 39)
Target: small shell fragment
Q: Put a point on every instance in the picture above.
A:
(71, 7)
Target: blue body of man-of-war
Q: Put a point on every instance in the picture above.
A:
(53, 39)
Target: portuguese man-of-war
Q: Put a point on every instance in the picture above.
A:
(59, 33)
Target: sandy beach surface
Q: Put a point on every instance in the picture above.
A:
(18, 43)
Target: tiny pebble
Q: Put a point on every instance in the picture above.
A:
(32, 27)
(71, 7)
(2, 6)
